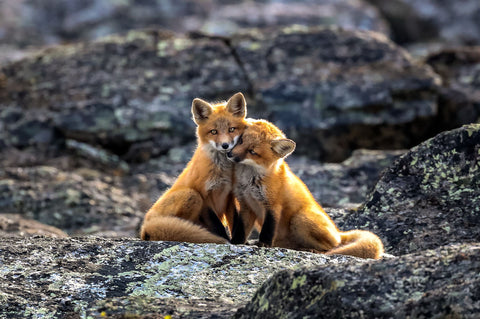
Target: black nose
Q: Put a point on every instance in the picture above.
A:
(229, 154)
(225, 146)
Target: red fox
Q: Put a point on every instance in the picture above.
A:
(192, 209)
(268, 191)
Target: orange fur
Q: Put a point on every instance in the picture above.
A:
(269, 191)
(183, 212)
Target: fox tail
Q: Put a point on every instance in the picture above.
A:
(359, 243)
(171, 228)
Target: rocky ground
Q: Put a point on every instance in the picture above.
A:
(381, 97)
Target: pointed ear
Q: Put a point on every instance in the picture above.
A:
(283, 147)
(201, 110)
(237, 105)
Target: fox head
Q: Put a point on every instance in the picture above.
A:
(220, 125)
(261, 146)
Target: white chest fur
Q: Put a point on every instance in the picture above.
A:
(249, 188)
(221, 172)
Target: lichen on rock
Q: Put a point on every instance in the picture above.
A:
(430, 196)
(89, 275)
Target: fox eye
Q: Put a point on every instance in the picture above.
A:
(213, 132)
(231, 129)
(252, 152)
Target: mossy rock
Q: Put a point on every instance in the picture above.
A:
(441, 283)
(87, 276)
(429, 197)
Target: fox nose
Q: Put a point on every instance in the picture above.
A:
(225, 146)
(229, 154)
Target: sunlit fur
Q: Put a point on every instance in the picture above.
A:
(182, 212)
(263, 180)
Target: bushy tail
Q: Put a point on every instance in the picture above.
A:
(359, 243)
(170, 228)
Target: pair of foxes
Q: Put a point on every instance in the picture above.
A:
(238, 176)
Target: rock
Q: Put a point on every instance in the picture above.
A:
(346, 184)
(459, 101)
(229, 18)
(68, 201)
(429, 197)
(441, 283)
(82, 277)
(130, 95)
(432, 20)
(336, 90)
(350, 89)
(16, 225)
(43, 22)
(100, 156)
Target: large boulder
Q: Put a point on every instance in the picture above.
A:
(131, 95)
(117, 92)
(429, 197)
(337, 90)
(441, 283)
(94, 277)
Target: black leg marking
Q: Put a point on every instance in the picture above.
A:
(238, 236)
(268, 229)
(216, 225)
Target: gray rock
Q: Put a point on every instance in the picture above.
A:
(132, 90)
(459, 101)
(429, 197)
(432, 20)
(81, 277)
(69, 201)
(131, 95)
(16, 225)
(335, 90)
(441, 283)
(347, 184)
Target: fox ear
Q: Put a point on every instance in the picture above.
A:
(283, 147)
(237, 105)
(200, 110)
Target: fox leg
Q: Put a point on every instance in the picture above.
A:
(269, 228)
(176, 217)
(184, 203)
(213, 223)
(243, 225)
(312, 230)
(231, 212)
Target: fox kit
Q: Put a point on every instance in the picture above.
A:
(268, 191)
(202, 195)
